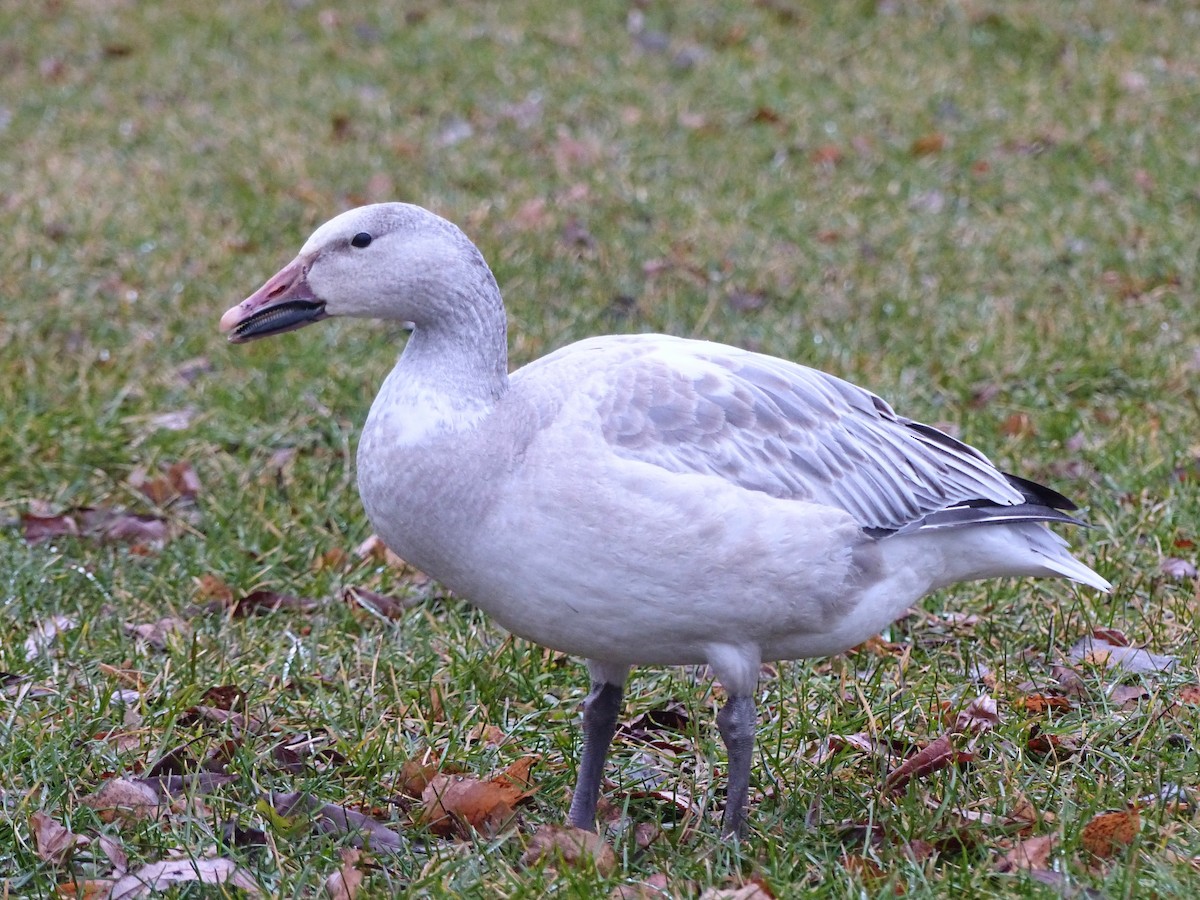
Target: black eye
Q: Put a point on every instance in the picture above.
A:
(362, 239)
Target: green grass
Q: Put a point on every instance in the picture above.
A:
(157, 163)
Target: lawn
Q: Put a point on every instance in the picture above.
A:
(985, 212)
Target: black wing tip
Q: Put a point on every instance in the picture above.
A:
(1038, 494)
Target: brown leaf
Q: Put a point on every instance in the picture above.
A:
(329, 818)
(87, 889)
(928, 144)
(574, 848)
(1018, 424)
(42, 528)
(55, 843)
(459, 803)
(1112, 636)
(1189, 694)
(345, 883)
(210, 587)
(1134, 660)
(827, 155)
(1110, 833)
(415, 777)
(124, 799)
(938, 754)
(1030, 854)
(765, 115)
(980, 715)
(264, 601)
(380, 604)
(178, 481)
(157, 877)
(654, 887)
(1050, 746)
(1037, 704)
(1125, 695)
(156, 634)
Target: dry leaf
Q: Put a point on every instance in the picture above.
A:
(1027, 855)
(655, 887)
(156, 633)
(264, 601)
(380, 604)
(178, 481)
(937, 755)
(980, 715)
(570, 847)
(928, 144)
(124, 799)
(88, 889)
(1037, 704)
(458, 803)
(55, 843)
(345, 883)
(1134, 660)
(1110, 833)
(42, 528)
(157, 877)
(329, 818)
(1174, 567)
(40, 638)
(752, 890)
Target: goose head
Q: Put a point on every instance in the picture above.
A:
(385, 261)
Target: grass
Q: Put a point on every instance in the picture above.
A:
(986, 212)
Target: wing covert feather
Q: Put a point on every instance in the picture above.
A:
(788, 431)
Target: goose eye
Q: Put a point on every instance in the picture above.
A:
(360, 240)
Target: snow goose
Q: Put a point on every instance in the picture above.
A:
(643, 499)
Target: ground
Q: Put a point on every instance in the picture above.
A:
(985, 212)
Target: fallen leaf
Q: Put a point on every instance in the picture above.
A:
(980, 715)
(55, 843)
(289, 809)
(124, 799)
(928, 144)
(458, 803)
(345, 883)
(1027, 855)
(178, 481)
(42, 528)
(654, 887)
(938, 754)
(264, 601)
(571, 847)
(1174, 567)
(1189, 694)
(43, 635)
(1112, 636)
(1050, 746)
(1037, 704)
(752, 890)
(87, 889)
(156, 634)
(1110, 833)
(1134, 660)
(1127, 694)
(379, 604)
(157, 877)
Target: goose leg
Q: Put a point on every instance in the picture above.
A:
(600, 711)
(738, 721)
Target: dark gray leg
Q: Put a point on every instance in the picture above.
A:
(600, 711)
(738, 720)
